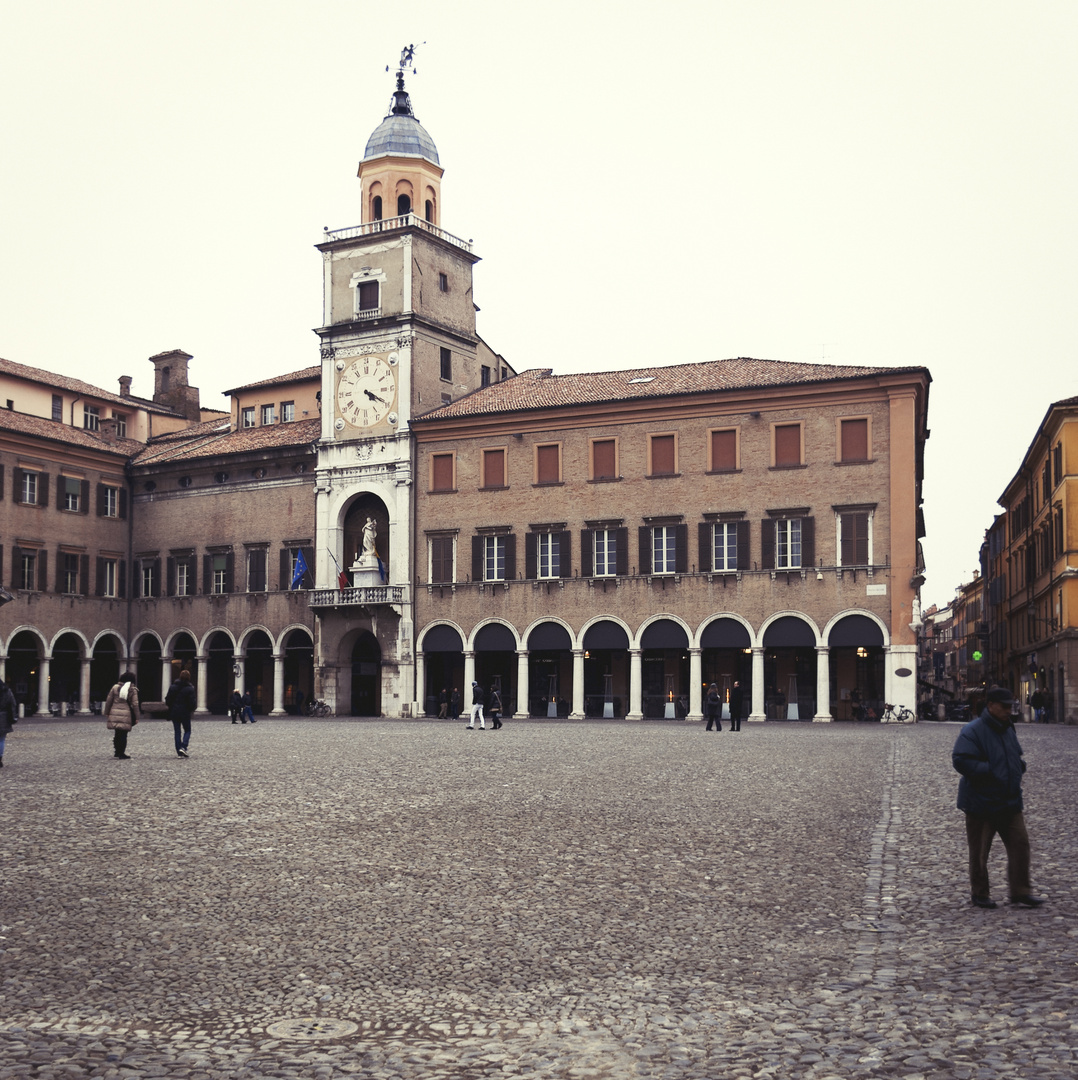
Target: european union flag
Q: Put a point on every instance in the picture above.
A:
(300, 570)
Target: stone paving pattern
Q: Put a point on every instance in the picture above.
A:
(553, 900)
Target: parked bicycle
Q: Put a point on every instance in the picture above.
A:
(895, 714)
(316, 707)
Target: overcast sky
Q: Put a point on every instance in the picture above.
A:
(883, 183)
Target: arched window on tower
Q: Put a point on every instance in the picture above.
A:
(376, 208)
(404, 205)
(429, 211)
(166, 375)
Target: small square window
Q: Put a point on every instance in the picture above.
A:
(367, 296)
(269, 414)
(288, 412)
(443, 282)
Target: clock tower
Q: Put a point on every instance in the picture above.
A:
(398, 339)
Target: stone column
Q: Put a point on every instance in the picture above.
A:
(469, 678)
(199, 675)
(823, 685)
(420, 683)
(166, 677)
(238, 674)
(278, 685)
(522, 685)
(578, 685)
(43, 687)
(84, 686)
(758, 711)
(696, 691)
(636, 685)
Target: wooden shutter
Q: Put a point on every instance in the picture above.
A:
(808, 541)
(368, 295)
(565, 554)
(100, 500)
(854, 539)
(587, 552)
(308, 578)
(681, 549)
(84, 498)
(493, 468)
(42, 570)
(123, 502)
(478, 546)
(121, 579)
(510, 557)
(531, 555)
(603, 460)
(16, 484)
(207, 574)
(61, 491)
(58, 577)
(84, 575)
(743, 552)
(547, 461)
(257, 570)
(621, 553)
(767, 544)
(99, 584)
(662, 455)
(285, 577)
(723, 451)
(854, 440)
(705, 533)
(644, 536)
(170, 570)
(442, 472)
(1, 483)
(787, 444)
(43, 489)
(441, 559)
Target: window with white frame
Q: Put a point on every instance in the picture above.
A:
(111, 501)
(28, 487)
(184, 580)
(787, 543)
(146, 577)
(72, 489)
(855, 537)
(218, 574)
(441, 559)
(247, 416)
(121, 423)
(110, 577)
(69, 572)
(27, 569)
(605, 552)
(91, 417)
(268, 414)
(288, 412)
(663, 549)
(548, 555)
(494, 558)
(724, 546)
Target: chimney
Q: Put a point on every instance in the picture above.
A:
(125, 386)
(170, 386)
(109, 428)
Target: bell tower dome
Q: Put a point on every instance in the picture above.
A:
(400, 173)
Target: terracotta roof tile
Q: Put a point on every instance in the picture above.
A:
(212, 440)
(76, 386)
(305, 375)
(65, 434)
(538, 388)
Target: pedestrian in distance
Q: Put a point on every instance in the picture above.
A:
(454, 704)
(988, 755)
(122, 713)
(248, 710)
(714, 708)
(494, 709)
(181, 701)
(235, 706)
(737, 700)
(477, 708)
(9, 715)
(443, 704)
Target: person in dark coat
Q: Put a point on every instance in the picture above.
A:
(181, 700)
(714, 708)
(454, 704)
(494, 709)
(737, 698)
(9, 715)
(989, 757)
(235, 706)
(443, 704)
(478, 698)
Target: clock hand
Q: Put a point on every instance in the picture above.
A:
(375, 397)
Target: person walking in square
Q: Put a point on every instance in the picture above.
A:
(235, 706)
(121, 713)
(248, 714)
(443, 704)
(714, 708)
(737, 699)
(454, 705)
(9, 711)
(494, 708)
(181, 701)
(989, 757)
(477, 708)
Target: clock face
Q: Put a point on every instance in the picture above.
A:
(366, 391)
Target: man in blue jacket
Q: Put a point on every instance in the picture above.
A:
(988, 756)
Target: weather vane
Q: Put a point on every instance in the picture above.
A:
(407, 57)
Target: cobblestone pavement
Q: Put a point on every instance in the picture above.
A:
(383, 899)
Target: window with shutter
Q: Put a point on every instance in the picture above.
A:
(548, 464)
(493, 468)
(854, 539)
(663, 455)
(441, 472)
(604, 464)
(787, 445)
(441, 559)
(854, 438)
(724, 450)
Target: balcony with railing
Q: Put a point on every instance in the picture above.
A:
(365, 596)
(405, 221)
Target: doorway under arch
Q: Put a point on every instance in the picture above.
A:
(366, 676)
